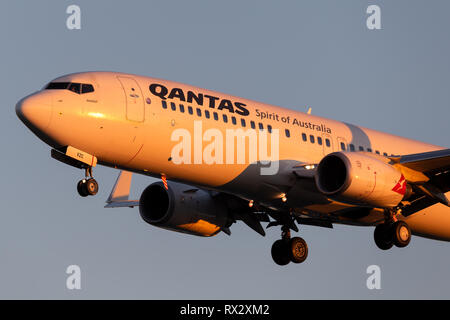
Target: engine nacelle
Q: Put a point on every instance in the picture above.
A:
(183, 208)
(360, 178)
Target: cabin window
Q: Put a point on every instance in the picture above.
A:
(243, 122)
(252, 124)
(261, 126)
(225, 118)
(173, 106)
(190, 110)
(342, 146)
(207, 115)
(216, 116)
(369, 150)
(199, 112)
(181, 108)
(164, 104)
(312, 139)
(269, 128)
(361, 148)
(319, 141)
(304, 137)
(327, 142)
(233, 120)
(287, 132)
(352, 147)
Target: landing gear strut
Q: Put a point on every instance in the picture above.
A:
(289, 249)
(392, 232)
(87, 186)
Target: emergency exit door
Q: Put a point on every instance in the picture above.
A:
(134, 99)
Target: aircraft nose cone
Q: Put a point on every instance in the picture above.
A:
(35, 111)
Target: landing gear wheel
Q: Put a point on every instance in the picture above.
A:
(401, 234)
(382, 237)
(280, 252)
(87, 187)
(298, 250)
(91, 187)
(81, 188)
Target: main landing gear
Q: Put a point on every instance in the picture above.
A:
(289, 249)
(392, 233)
(87, 186)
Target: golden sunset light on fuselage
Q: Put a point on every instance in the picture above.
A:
(192, 136)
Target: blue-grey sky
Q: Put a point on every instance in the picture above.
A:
(295, 54)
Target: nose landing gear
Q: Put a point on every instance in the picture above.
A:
(87, 186)
(289, 249)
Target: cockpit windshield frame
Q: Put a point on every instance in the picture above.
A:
(75, 87)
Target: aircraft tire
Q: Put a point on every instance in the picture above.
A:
(401, 234)
(81, 188)
(91, 187)
(298, 250)
(280, 252)
(382, 237)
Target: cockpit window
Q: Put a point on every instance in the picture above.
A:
(78, 88)
(86, 88)
(75, 87)
(58, 85)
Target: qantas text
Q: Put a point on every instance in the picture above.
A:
(201, 99)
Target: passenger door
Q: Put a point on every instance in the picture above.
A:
(135, 110)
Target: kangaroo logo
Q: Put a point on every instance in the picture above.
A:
(400, 187)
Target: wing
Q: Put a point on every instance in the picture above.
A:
(121, 191)
(429, 174)
(434, 165)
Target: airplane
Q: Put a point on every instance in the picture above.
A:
(319, 172)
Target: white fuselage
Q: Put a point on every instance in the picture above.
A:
(128, 123)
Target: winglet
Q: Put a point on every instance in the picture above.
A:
(309, 110)
(121, 191)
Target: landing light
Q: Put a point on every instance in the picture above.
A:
(310, 167)
(250, 203)
(96, 114)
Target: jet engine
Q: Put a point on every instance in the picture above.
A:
(360, 178)
(183, 208)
